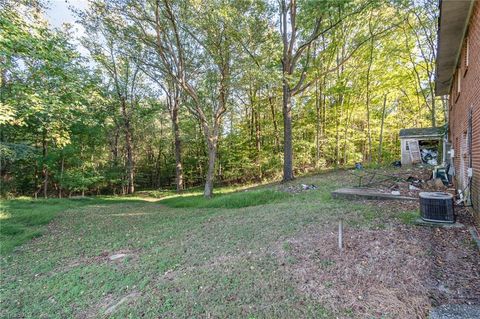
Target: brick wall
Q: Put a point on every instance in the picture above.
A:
(468, 78)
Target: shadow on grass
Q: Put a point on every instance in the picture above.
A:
(24, 218)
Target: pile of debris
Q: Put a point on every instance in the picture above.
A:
(412, 186)
(407, 182)
(429, 156)
(294, 189)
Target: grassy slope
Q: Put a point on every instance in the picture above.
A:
(186, 257)
(24, 218)
(233, 200)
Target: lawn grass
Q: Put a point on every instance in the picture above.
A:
(229, 200)
(409, 217)
(24, 218)
(186, 257)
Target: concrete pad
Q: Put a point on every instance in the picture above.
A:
(422, 222)
(367, 193)
(455, 312)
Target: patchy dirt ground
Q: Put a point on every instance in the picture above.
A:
(399, 272)
(380, 272)
(456, 264)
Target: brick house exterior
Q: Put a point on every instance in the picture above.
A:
(458, 75)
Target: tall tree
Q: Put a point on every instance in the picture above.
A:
(123, 74)
(195, 48)
(298, 32)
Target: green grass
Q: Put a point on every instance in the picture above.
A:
(230, 200)
(24, 218)
(194, 191)
(187, 257)
(409, 217)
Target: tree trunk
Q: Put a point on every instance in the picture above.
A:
(434, 111)
(380, 142)
(62, 168)
(258, 135)
(37, 186)
(212, 154)
(158, 167)
(337, 131)
(345, 135)
(318, 98)
(287, 135)
(324, 115)
(177, 150)
(114, 144)
(171, 90)
(45, 168)
(130, 165)
(252, 120)
(367, 104)
(275, 125)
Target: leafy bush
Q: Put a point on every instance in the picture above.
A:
(76, 180)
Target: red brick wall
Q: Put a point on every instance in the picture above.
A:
(460, 104)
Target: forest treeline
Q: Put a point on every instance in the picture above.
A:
(180, 93)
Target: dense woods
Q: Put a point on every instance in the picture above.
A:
(182, 93)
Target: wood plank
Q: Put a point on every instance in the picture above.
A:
(367, 193)
(414, 150)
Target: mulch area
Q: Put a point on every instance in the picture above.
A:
(456, 264)
(398, 272)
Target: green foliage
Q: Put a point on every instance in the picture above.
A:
(77, 180)
(64, 118)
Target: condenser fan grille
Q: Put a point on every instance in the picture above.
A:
(437, 207)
